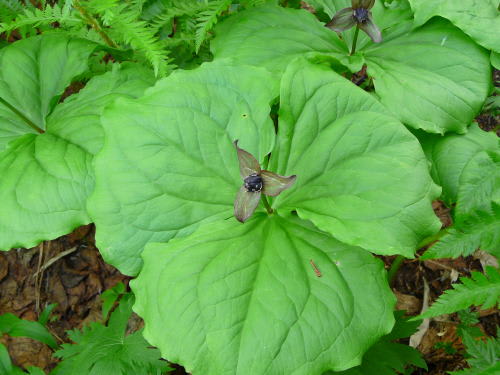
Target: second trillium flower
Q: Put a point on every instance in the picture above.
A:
(358, 14)
(255, 183)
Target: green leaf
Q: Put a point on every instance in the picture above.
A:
(411, 70)
(47, 178)
(480, 289)
(479, 184)
(230, 293)
(478, 230)
(174, 163)
(495, 59)
(110, 296)
(361, 175)
(16, 327)
(5, 362)
(45, 314)
(33, 74)
(450, 155)
(485, 356)
(433, 97)
(271, 36)
(387, 357)
(107, 350)
(477, 18)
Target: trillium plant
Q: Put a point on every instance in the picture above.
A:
(172, 170)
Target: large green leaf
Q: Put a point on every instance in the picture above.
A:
(33, 74)
(435, 78)
(387, 357)
(245, 299)
(46, 178)
(173, 161)
(478, 18)
(450, 155)
(272, 36)
(362, 176)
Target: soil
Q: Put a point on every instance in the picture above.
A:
(77, 275)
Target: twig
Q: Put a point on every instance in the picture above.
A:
(51, 261)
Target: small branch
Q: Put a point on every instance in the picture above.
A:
(30, 123)
(266, 205)
(51, 261)
(92, 22)
(355, 40)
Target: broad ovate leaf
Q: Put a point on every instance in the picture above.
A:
(361, 175)
(33, 74)
(479, 184)
(246, 300)
(450, 156)
(272, 36)
(46, 178)
(434, 77)
(169, 162)
(480, 19)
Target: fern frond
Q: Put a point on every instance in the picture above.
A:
(479, 230)
(207, 20)
(165, 14)
(37, 17)
(480, 289)
(9, 9)
(126, 28)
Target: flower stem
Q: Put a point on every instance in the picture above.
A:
(28, 122)
(355, 40)
(266, 205)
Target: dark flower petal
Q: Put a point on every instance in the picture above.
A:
(248, 164)
(366, 4)
(343, 20)
(371, 29)
(245, 204)
(355, 4)
(274, 184)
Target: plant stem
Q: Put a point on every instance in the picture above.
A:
(355, 40)
(30, 123)
(395, 266)
(92, 22)
(428, 240)
(266, 205)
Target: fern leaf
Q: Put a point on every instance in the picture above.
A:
(480, 289)
(125, 27)
(38, 17)
(484, 356)
(9, 9)
(479, 230)
(207, 20)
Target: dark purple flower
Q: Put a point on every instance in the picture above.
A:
(256, 182)
(358, 14)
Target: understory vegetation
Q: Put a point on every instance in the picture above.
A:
(259, 171)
